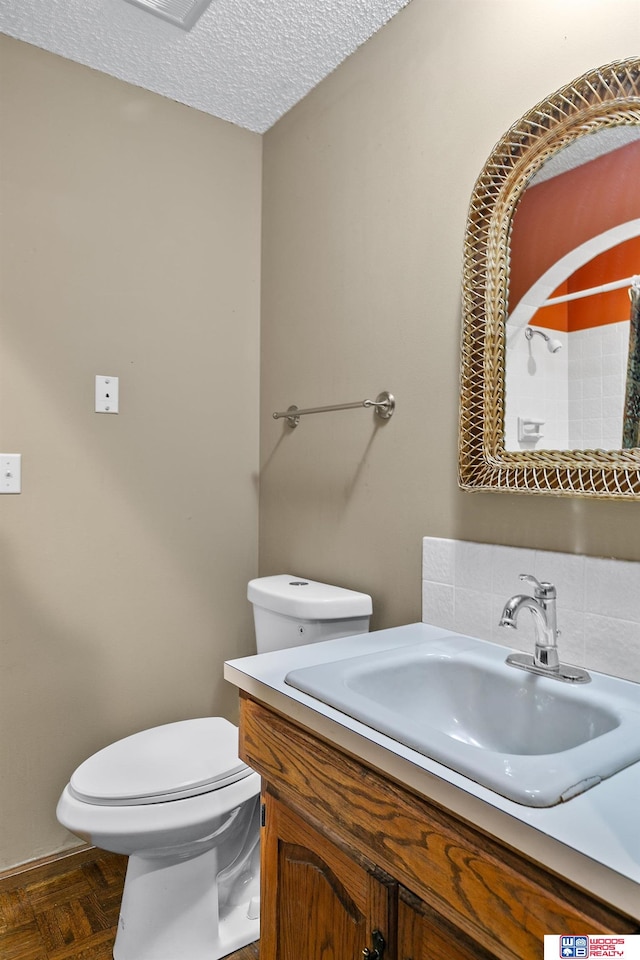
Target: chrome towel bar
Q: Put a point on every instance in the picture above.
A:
(384, 405)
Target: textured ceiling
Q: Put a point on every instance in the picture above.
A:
(584, 149)
(246, 61)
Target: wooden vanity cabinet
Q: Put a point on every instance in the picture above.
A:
(347, 851)
(319, 901)
(423, 934)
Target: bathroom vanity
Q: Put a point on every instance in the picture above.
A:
(347, 851)
(367, 848)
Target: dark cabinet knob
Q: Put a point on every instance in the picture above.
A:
(377, 951)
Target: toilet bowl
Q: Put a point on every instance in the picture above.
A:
(185, 809)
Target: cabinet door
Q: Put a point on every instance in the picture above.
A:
(317, 903)
(425, 935)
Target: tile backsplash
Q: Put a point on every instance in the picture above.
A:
(465, 586)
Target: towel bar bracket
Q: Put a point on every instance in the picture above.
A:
(384, 405)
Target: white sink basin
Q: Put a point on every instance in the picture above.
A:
(535, 740)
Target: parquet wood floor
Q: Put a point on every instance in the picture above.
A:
(67, 910)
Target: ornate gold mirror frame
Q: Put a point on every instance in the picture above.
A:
(609, 96)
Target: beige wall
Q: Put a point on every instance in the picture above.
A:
(130, 246)
(366, 188)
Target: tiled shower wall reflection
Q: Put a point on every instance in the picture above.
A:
(465, 586)
(578, 393)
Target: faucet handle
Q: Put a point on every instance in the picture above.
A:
(542, 590)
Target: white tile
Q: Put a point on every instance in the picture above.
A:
(576, 346)
(576, 436)
(598, 600)
(610, 365)
(612, 407)
(592, 407)
(473, 611)
(611, 433)
(613, 647)
(473, 565)
(575, 409)
(610, 344)
(566, 572)
(438, 559)
(576, 388)
(571, 645)
(592, 388)
(592, 432)
(438, 604)
(592, 366)
(508, 563)
(612, 588)
(611, 385)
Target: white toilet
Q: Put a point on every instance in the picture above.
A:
(181, 804)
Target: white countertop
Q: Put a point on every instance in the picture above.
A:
(593, 840)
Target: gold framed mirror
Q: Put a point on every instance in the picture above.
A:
(602, 103)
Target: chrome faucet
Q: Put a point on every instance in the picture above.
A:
(545, 660)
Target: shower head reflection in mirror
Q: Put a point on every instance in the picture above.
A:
(552, 345)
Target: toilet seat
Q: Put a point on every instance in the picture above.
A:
(170, 762)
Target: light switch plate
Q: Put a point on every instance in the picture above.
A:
(10, 473)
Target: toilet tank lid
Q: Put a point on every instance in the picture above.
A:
(308, 599)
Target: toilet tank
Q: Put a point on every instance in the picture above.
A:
(290, 611)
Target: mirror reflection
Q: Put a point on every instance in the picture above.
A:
(552, 248)
(574, 259)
